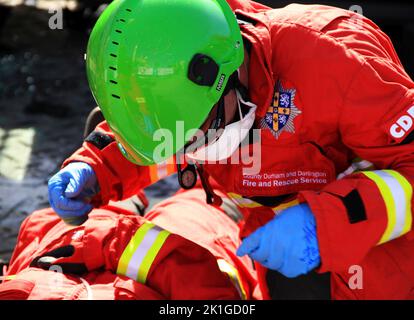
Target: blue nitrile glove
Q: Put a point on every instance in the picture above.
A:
(70, 191)
(287, 244)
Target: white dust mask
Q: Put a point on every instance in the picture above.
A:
(228, 142)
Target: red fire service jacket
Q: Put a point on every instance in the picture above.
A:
(335, 111)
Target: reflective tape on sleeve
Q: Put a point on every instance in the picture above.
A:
(141, 251)
(408, 192)
(162, 170)
(281, 207)
(233, 274)
(243, 202)
(396, 192)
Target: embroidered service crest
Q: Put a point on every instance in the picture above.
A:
(280, 115)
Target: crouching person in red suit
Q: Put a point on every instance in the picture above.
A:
(117, 254)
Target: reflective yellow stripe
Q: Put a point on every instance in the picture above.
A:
(396, 192)
(141, 251)
(250, 205)
(284, 206)
(150, 256)
(132, 247)
(408, 191)
(233, 275)
(389, 203)
(243, 202)
(5, 278)
(247, 203)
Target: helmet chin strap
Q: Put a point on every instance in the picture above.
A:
(187, 177)
(235, 83)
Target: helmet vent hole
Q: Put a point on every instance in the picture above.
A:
(122, 20)
(113, 55)
(115, 43)
(129, 10)
(113, 68)
(118, 31)
(116, 97)
(112, 81)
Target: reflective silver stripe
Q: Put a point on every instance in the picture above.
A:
(234, 276)
(396, 192)
(398, 195)
(363, 164)
(142, 250)
(162, 170)
(356, 166)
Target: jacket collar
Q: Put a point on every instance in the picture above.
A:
(255, 29)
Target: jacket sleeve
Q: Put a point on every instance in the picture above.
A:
(168, 263)
(368, 208)
(118, 178)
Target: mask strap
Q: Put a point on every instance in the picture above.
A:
(211, 197)
(233, 84)
(220, 120)
(238, 104)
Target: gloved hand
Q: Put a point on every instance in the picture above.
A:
(70, 191)
(92, 246)
(287, 244)
(64, 258)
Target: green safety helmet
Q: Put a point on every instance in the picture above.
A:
(151, 63)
